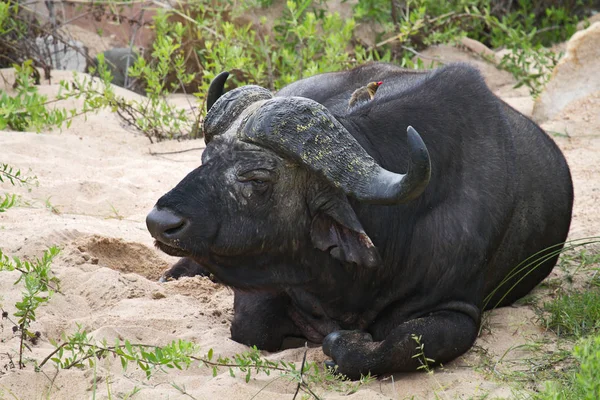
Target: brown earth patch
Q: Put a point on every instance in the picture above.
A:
(119, 255)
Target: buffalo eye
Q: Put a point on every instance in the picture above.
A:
(258, 178)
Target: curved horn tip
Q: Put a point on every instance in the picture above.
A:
(216, 89)
(420, 168)
(413, 134)
(415, 142)
(222, 76)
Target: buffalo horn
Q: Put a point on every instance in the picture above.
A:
(216, 89)
(226, 110)
(305, 131)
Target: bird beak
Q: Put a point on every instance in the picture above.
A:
(379, 83)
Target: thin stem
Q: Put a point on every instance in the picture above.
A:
(301, 380)
(21, 365)
(56, 350)
(160, 153)
(225, 365)
(135, 29)
(14, 177)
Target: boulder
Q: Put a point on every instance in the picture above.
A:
(117, 61)
(69, 55)
(576, 76)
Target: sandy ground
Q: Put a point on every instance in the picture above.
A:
(97, 181)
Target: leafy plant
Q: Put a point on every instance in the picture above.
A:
(519, 27)
(425, 361)
(80, 350)
(39, 288)
(154, 115)
(27, 110)
(14, 176)
(300, 48)
(305, 41)
(297, 49)
(96, 93)
(9, 201)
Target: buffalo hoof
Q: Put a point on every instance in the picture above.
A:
(340, 339)
(349, 351)
(330, 364)
(184, 267)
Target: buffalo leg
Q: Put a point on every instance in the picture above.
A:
(261, 320)
(444, 334)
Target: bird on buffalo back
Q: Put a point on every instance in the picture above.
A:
(365, 93)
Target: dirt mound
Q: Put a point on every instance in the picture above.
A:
(119, 255)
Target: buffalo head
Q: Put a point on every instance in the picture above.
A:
(274, 184)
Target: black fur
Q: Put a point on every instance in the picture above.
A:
(291, 244)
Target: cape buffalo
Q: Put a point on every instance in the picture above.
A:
(338, 226)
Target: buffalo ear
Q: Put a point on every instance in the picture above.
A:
(335, 228)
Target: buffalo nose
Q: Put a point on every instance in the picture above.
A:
(164, 224)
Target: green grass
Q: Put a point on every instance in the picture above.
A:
(568, 305)
(584, 382)
(574, 315)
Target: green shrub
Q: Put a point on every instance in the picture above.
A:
(305, 42)
(196, 40)
(27, 110)
(153, 115)
(39, 286)
(522, 27)
(12, 30)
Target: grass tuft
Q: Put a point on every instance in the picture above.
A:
(574, 314)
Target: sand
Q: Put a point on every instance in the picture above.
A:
(97, 181)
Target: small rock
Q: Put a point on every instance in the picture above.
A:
(158, 295)
(130, 277)
(94, 260)
(86, 257)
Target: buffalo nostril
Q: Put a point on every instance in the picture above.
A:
(174, 229)
(164, 223)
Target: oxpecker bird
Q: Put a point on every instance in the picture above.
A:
(364, 93)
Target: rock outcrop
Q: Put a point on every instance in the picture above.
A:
(576, 76)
